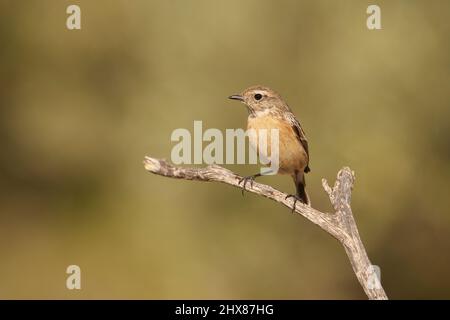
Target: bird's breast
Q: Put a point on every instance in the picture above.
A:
(292, 156)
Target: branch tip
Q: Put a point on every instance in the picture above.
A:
(326, 186)
(152, 165)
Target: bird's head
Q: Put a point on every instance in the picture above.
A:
(260, 100)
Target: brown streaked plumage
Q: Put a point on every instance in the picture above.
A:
(267, 110)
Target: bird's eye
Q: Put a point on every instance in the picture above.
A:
(258, 96)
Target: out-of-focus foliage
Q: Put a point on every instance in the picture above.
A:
(80, 109)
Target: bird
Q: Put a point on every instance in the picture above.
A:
(267, 110)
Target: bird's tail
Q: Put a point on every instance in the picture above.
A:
(301, 185)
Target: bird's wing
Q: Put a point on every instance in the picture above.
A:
(300, 136)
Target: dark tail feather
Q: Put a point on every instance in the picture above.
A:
(300, 185)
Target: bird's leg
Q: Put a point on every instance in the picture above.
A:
(296, 198)
(247, 179)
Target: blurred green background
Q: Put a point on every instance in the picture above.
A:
(80, 109)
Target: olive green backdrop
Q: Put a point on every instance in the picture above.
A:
(80, 109)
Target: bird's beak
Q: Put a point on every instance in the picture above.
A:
(236, 97)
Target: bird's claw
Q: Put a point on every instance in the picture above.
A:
(296, 198)
(250, 179)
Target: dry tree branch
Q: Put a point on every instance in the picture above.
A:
(341, 225)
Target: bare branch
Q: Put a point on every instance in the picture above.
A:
(341, 225)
